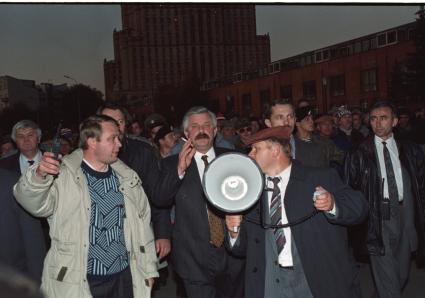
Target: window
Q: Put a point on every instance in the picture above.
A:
(308, 59)
(411, 33)
(373, 43)
(286, 92)
(337, 85)
(357, 47)
(325, 54)
(264, 96)
(318, 56)
(309, 90)
(230, 103)
(246, 103)
(402, 35)
(382, 39)
(365, 45)
(392, 37)
(344, 51)
(369, 80)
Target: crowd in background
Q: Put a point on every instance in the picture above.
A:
(345, 126)
(336, 133)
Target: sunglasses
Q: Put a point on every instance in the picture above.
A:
(243, 129)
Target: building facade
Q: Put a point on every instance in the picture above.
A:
(15, 91)
(355, 72)
(164, 45)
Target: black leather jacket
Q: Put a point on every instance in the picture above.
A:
(362, 173)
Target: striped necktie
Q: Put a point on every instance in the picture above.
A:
(276, 214)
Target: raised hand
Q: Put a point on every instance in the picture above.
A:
(48, 165)
(185, 157)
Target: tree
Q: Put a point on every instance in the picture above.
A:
(408, 80)
(77, 103)
(9, 116)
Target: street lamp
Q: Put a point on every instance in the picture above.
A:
(76, 97)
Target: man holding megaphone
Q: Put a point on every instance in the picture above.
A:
(310, 258)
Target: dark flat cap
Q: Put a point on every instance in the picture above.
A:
(301, 113)
(162, 132)
(279, 132)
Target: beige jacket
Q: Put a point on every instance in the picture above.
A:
(65, 201)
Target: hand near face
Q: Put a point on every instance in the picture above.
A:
(185, 157)
(325, 201)
(48, 165)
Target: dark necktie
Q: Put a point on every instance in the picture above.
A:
(215, 223)
(31, 162)
(276, 214)
(392, 184)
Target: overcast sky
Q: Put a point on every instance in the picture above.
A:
(44, 42)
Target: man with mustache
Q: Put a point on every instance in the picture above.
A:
(198, 254)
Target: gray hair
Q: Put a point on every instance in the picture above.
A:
(25, 124)
(198, 110)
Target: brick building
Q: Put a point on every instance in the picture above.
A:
(165, 45)
(355, 72)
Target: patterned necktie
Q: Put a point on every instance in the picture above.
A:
(392, 184)
(30, 162)
(276, 214)
(216, 226)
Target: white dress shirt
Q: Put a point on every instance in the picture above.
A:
(200, 163)
(392, 148)
(285, 256)
(23, 161)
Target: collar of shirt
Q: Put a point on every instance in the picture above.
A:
(23, 161)
(93, 168)
(200, 163)
(284, 178)
(391, 144)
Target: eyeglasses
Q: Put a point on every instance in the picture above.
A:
(243, 129)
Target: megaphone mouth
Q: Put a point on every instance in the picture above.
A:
(234, 188)
(233, 182)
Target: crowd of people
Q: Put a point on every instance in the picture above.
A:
(123, 197)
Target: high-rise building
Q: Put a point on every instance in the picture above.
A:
(170, 44)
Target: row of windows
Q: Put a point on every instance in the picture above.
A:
(336, 88)
(349, 48)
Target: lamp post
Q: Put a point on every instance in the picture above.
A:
(77, 99)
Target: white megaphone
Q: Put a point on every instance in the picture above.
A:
(233, 182)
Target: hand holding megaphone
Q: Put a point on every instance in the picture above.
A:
(233, 223)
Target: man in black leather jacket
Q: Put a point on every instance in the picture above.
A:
(395, 228)
(140, 157)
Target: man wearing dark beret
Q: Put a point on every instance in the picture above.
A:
(307, 259)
